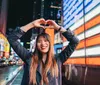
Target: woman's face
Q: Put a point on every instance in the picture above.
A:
(43, 45)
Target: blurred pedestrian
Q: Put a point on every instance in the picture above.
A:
(42, 67)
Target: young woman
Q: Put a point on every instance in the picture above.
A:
(42, 67)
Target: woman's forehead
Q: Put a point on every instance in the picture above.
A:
(42, 38)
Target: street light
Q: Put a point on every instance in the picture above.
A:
(56, 7)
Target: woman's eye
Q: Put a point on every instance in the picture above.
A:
(39, 41)
(45, 40)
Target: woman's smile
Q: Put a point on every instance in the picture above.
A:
(43, 47)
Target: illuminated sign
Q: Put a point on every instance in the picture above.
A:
(73, 10)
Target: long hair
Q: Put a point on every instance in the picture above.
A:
(50, 64)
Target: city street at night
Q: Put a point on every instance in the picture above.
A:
(49, 42)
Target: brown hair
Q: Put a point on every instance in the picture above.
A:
(50, 65)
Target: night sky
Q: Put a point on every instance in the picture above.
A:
(20, 12)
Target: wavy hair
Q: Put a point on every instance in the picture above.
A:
(50, 64)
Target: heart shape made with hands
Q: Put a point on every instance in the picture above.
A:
(47, 23)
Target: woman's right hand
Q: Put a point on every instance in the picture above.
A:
(38, 23)
(53, 25)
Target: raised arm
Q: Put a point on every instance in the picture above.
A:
(22, 52)
(73, 40)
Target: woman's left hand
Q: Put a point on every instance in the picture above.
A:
(52, 24)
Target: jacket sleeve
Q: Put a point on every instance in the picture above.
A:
(22, 52)
(73, 42)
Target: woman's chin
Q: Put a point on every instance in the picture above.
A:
(44, 51)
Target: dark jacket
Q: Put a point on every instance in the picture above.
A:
(25, 55)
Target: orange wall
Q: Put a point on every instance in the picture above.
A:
(51, 33)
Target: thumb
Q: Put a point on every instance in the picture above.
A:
(42, 27)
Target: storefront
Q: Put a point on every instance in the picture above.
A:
(4, 47)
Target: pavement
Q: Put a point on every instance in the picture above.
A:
(17, 80)
(8, 74)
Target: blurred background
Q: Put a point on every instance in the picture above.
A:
(81, 16)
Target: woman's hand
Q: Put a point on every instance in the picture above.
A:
(36, 23)
(52, 24)
(39, 23)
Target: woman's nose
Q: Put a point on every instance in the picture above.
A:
(42, 42)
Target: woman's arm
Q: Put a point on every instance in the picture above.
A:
(22, 52)
(73, 40)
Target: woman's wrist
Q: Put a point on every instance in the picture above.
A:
(58, 29)
(61, 29)
(27, 27)
(32, 23)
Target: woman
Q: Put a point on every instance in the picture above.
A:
(41, 67)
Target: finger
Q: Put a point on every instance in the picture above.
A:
(42, 22)
(49, 22)
(42, 19)
(41, 27)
